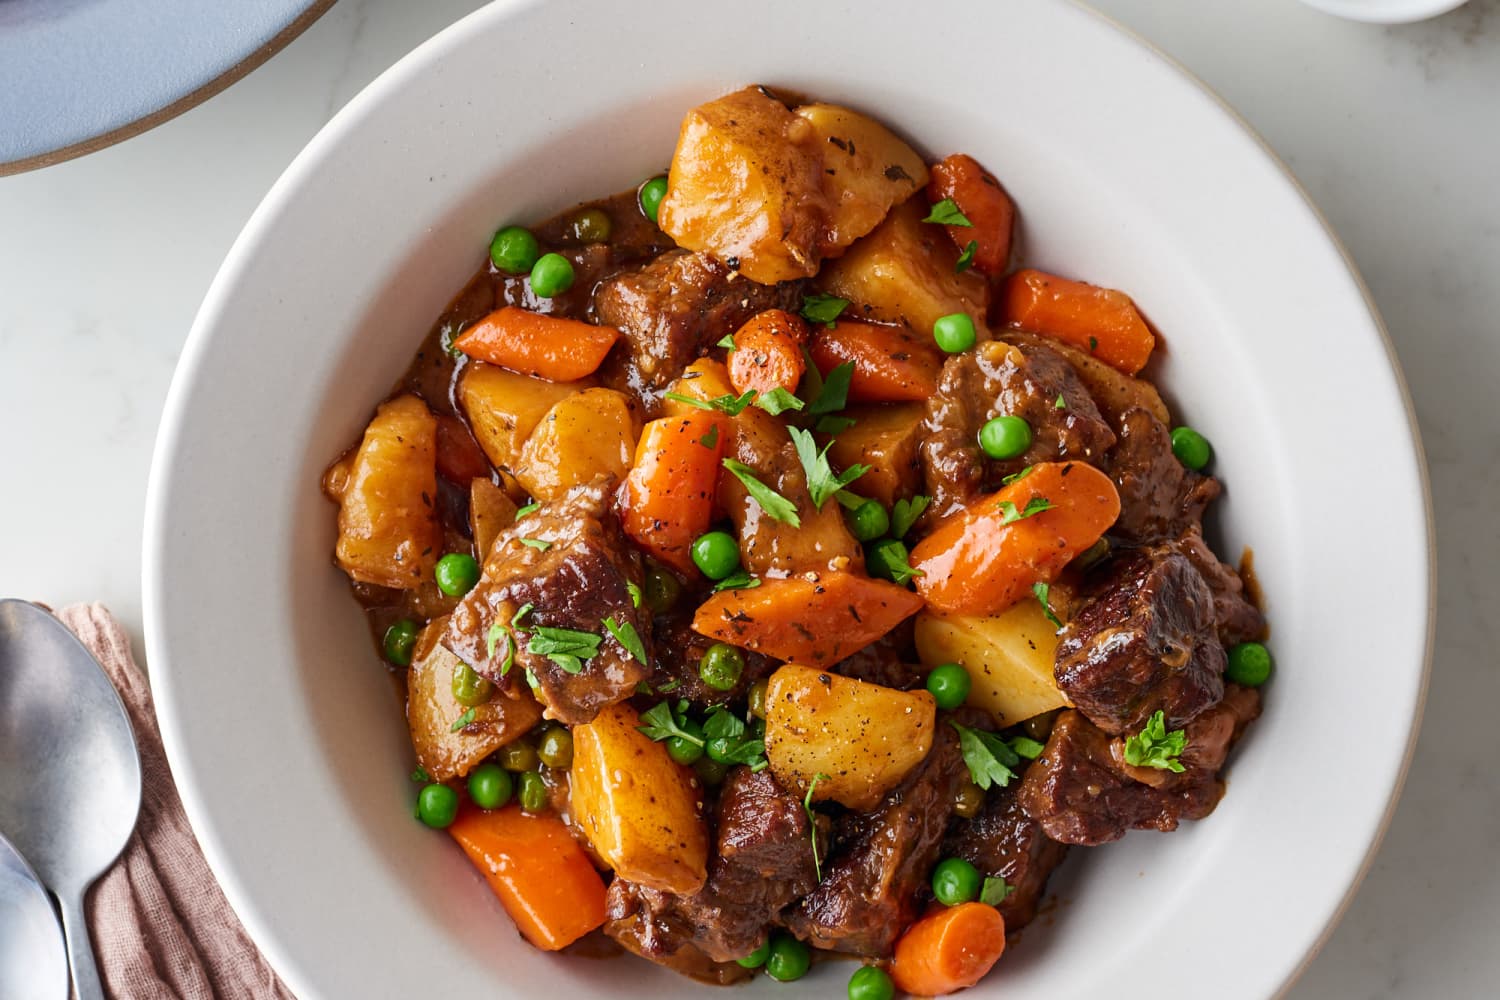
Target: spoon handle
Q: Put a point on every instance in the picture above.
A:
(86, 985)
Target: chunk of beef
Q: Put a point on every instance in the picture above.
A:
(1143, 640)
(577, 582)
(1238, 620)
(1081, 792)
(679, 650)
(763, 861)
(998, 379)
(872, 884)
(674, 309)
(1160, 498)
(885, 661)
(1002, 841)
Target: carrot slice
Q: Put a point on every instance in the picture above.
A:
(988, 556)
(768, 353)
(1102, 321)
(812, 622)
(544, 879)
(891, 363)
(549, 347)
(984, 203)
(948, 950)
(669, 493)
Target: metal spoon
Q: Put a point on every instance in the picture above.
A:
(32, 963)
(70, 777)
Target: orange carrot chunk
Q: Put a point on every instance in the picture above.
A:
(549, 347)
(984, 203)
(544, 879)
(891, 363)
(948, 950)
(1102, 321)
(815, 623)
(669, 492)
(988, 556)
(767, 353)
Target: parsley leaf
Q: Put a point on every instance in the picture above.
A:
(905, 513)
(727, 341)
(812, 822)
(833, 394)
(1041, 590)
(1061, 404)
(709, 440)
(662, 723)
(988, 757)
(1093, 344)
(727, 734)
(530, 508)
(774, 504)
(1026, 747)
(777, 401)
(420, 774)
(966, 259)
(946, 213)
(635, 591)
(893, 560)
(1016, 477)
(822, 482)
(739, 581)
(850, 501)
(1154, 747)
(626, 635)
(1034, 506)
(461, 721)
(732, 405)
(536, 543)
(566, 647)
(995, 891)
(824, 309)
(833, 425)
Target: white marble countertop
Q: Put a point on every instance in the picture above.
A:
(1394, 131)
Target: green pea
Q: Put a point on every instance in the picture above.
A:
(490, 786)
(591, 225)
(887, 558)
(710, 771)
(470, 689)
(756, 958)
(518, 756)
(868, 521)
(552, 274)
(949, 685)
(556, 747)
(531, 791)
(685, 751)
(661, 589)
(514, 250)
(789, 959)
(1005, 437)
(871, 983)
(717, 554)
(1249, 664)
(721, 666)
(400, 639)
(955, 881)
(651, 194)
(954, 332)
(968, 800)
(757, 699)
(437, 806)
(456, 573)
(1191, 448)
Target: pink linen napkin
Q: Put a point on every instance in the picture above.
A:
(162, 928)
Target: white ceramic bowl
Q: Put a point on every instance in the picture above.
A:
(284, 736)
(1386, 11)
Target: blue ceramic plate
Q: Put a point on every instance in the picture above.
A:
(76, 75)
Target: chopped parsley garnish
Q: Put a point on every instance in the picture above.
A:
(735, 744)
(812, 822)
(966, 259)
(738, 581)
(1016, 477)
(989, 757)
(946, 213)
(461, 721)
(824, 309)
(905, 513)
(778, 401)
(709, 440)
(893, 560)
(1061, 404)
(727, 341)
(822, 481)
(833, 425)
(497, 630)
(626, 635)
(833, 393)
(1093, 344)
(566, 647)
(730, 404)
(664, 722)
(1041, 590)
(1026, 747)
(850, 501)
(525, 609)
(774, 504)
(536, 543)
(635, 591)
(1154, 747)
(530, 508)
(1034, 506)
(995, 891)
(420, 774)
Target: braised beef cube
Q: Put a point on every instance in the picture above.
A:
(576, 582)
(675, 308)
(1003, 842)
(657, 927)
(763, 829)
(1142, 641)
(873, 883)
(1160, 498)
(888, 661)
(999, 379)
(679, 650)
(1238, 620)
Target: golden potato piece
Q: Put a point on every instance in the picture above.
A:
(504, 408)
(863, 738)
(1009, 658)
(388, 528)
(641, 810)
(490, 511)
(866, 170)
(884, 436)
(584, 434)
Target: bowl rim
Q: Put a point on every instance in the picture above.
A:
(310, 158)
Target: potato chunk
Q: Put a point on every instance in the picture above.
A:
(584, 434)
(863, 738)
(504, 408)
(866, 170)
(388, 528)
(640, 809)
(885, 437)
(1009, 657)
(903, 272)
(431, 711)
(490, 512)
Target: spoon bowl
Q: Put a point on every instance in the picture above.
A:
(70, 789)
(33, 965)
